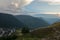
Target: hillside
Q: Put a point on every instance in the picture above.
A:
(32, 22)
(50, 33)
(9, 21)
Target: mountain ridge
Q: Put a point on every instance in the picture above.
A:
(31, 21)
(7, 20)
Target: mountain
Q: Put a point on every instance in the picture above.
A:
(32, 22)
(46, 15)
(50, 33)
(9, 21)
(51, 20)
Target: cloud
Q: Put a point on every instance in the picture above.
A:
(20, 2)
(26, 2)
(51, 12)
(34, 13)
(13, 5)
(51, 2)
(54, 13)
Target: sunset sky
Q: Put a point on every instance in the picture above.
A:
(30, 7)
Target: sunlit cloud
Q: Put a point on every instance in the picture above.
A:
(54, 13)
(26, 2)
(51, 12)
(57, 13)
(15, 4)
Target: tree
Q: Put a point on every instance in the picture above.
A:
(25, 30)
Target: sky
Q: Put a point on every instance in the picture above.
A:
(30, 7)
